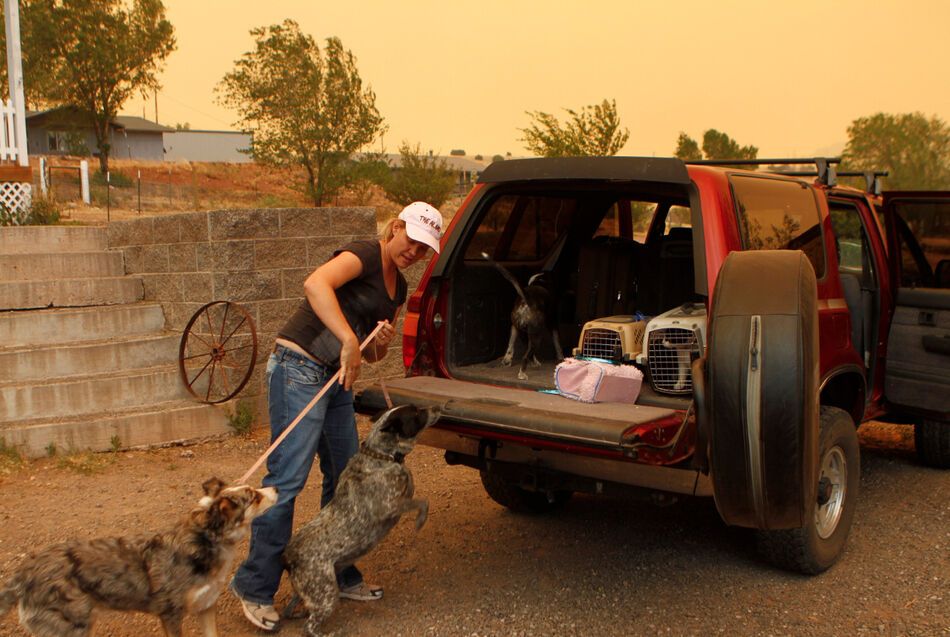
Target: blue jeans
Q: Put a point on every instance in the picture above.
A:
(329, 429)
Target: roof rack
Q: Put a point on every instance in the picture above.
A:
(872, 182)
(824, 166)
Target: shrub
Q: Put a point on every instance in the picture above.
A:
(44, 211)
(420, 177)
(241, 419)
(9, 217)
(10, 458)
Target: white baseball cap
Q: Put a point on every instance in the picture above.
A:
(423, 223)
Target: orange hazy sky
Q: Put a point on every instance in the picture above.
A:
(788, 77)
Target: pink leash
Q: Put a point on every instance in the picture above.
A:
(305, 411)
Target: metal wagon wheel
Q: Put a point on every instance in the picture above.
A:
(217, 352)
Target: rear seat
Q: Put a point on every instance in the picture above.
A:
(667, 278)
(607, 278)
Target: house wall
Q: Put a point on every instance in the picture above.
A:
(136, 145)
(224, 146)
(37, 140)
(258, 258)
(125, 145)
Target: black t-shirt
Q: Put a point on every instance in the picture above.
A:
(364, 301)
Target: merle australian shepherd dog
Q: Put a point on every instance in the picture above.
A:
(170, 574)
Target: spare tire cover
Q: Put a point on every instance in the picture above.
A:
(763, 372)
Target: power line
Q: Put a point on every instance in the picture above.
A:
(192, 108)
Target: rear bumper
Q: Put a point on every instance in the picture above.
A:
(669, 479)
(540, 432)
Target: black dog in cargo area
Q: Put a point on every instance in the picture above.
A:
(534, 314)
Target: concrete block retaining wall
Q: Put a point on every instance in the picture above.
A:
(258, 258)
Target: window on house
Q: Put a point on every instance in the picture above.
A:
(57, 141)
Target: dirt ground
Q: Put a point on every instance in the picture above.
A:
(603, 566)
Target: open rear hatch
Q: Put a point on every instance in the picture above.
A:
(520, 412)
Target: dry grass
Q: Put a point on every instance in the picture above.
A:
(169, 187)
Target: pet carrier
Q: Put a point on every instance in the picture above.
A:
(614, 338)
(670, 343)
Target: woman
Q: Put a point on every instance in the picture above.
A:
(345, 299)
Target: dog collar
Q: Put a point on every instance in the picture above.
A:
(379, 455)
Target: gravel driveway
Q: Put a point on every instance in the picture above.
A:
(603, 566)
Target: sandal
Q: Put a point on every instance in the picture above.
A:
(362, 592)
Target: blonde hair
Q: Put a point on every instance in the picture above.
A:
(390, 228)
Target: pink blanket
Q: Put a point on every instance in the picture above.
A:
(596, 382)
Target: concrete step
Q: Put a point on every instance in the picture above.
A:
(87, 395)
(68, 325)
(24, 295)
(157, 424)
(63, 265)
(34, 239)
(83, 359)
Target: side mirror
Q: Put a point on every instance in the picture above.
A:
(942, 274)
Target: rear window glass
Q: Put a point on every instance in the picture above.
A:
(522, 227)
(628, 219)
(677, 217)
(779, 215)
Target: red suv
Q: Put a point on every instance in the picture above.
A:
(769, 315)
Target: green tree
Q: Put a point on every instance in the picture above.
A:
(914, 149)
(716, 145)
(364, 172)
(687, 149)
(36, 28)
(92, 55)
(419, 177)
(594, 130)
(305, 106)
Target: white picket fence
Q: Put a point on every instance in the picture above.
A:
(15, 198)
(9, 148)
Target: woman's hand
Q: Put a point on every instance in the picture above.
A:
(386, 334)
(350, 362)
(378, 347)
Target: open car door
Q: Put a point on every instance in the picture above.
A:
(917, 377)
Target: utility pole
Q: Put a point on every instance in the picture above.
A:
(155, 93)
(11, 14)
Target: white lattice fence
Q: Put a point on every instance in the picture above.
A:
(15, 200)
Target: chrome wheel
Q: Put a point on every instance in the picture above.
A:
(832, 491)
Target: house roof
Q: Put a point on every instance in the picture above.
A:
(205, 131)
(454, 162)
(69, 116)
(133, 123)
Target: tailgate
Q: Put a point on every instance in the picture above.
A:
(514, 411)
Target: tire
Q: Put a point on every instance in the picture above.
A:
(520, 500)
(762, 402)
(816, 547)
(932, 441)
